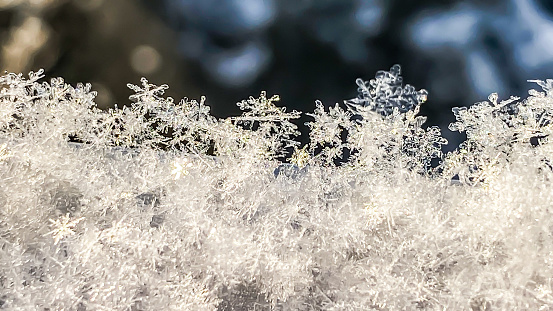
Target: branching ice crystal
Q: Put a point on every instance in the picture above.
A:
(386, 92)
(180, 167)
(326, 131)
(498, 130)
(269, 125)
(300, 157)
(63, 227)
(388, 133)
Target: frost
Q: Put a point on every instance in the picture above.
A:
(160, 206)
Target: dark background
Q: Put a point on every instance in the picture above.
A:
(303, 50)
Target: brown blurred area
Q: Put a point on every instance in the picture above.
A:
(108, 43)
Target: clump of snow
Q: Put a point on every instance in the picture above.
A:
(161, 206)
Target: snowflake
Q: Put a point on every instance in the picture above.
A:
(63, 227)
(180, 167)
(386, 92)
(300, 157)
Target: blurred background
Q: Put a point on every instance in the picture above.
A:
(304, 50)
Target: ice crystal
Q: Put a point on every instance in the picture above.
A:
(387, 133)
(300, 157)
(270, 125)
(326, 131)
(180, 167)
(63, 227)
(386, 92)
(499, 131)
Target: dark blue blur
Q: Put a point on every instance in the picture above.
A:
(304, 50)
